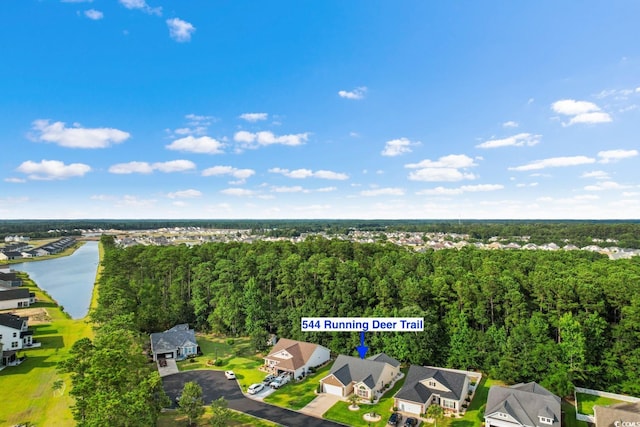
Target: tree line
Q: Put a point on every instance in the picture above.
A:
(558, 318)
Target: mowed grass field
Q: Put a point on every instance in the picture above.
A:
(28, 394)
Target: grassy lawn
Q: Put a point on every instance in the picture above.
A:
(340, 411)
(32, 398)
(569, 415)
(296, 395)
(586, 402)
(237, 357)
(173, 419)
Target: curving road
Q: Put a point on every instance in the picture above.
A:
(215, 385)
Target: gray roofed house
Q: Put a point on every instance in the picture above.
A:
(526, 404)
(365, 377)
(15, 298)
(428, 385)
(178, 343)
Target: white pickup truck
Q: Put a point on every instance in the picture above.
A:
(280, 381)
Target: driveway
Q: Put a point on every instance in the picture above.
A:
(215, 385)
(321, 404)
(170, 369)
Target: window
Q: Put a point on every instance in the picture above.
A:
(545, 420)
(15, 334)
(450, 404)
(14, 344)
(363, 392)
(0, 336)
(432, 383)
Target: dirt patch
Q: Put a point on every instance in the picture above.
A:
(37, 316)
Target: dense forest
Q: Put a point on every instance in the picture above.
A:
(580, 233)
(559, 318)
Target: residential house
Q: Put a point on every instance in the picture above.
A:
(428, 385)
(14, 335)
(527, 404)
(295, 357)
(10, 280)
(365, 377)
(175, 343)
(16, 298)
(618, 415)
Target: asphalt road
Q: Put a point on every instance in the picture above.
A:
(215, 385)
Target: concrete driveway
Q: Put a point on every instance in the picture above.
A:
(321, 404)
(215, 385)
(171, 368)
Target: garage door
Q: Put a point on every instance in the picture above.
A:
(409, 407)
(332, 389)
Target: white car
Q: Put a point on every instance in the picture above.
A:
(280, 381)
(230, 375)
(255, 388)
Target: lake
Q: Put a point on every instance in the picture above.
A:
(69, 280)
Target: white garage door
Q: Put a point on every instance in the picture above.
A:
(332, 389)
(409, 407)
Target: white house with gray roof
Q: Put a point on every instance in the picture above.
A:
(178, 343)
(526, 404)
(428, 385)
(365, 377)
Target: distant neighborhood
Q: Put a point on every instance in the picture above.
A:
(17, 247)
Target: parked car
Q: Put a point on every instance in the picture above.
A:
(410, 422)
(255, 388)
(230, 375)
(280, 381)
(268, 379)
(394, 419)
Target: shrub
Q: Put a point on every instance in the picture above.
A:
(230, 341)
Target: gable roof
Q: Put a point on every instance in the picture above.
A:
(525, 403)
(11, 294)
(414, 390)
(348, 368)
(299, 351)
(171, 339)
(12, 321)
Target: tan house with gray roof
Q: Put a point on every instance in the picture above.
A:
(295, 357)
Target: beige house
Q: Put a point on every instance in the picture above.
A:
(618, 415)
(295, 357)
(365, 377)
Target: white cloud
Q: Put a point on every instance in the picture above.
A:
(605, 186)
(180, 30)
(383, 192)
(15, 180)
(357, 93)
(519, 140)
(307, 173)
(524, 185)
(263, 138)
(442, 191)
(185, 194)
(581, 111)
(203, 145)
(510, 124)
(292, 189)
(237, 192)
(595, 174)
(446, 168)
(199, 120)
(141, 5)
(47, 170)
(174, 166)
(146, 168)
(611, 156)
(96, 15)
(76, 137)
(129, 201)
(326, 189)
(254, 117)
(554, 162)
(396, 147)
(240, 174)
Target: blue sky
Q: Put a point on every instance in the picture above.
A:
(320, 109)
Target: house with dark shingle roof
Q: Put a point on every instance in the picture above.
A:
(295, 357)
(178, 343)
(14, 335)
(426, 385)
(617, 415)
(526, 405)
(365, 377)
(10, 280)
(16, 298)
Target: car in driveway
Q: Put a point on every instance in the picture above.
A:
(394, 419)
(255, 388)
(410, 422)
(230, 375)
(268, 379)
(280, 381)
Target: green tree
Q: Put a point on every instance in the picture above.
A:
(220, 413)
(435, 412)
(191, 403)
